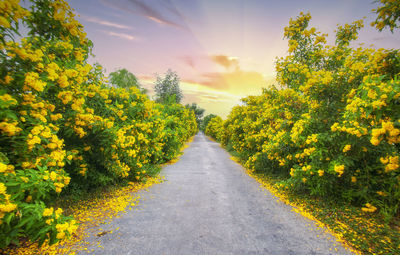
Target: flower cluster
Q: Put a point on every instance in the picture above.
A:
(61, 125)
(333, 127)
(214, 128)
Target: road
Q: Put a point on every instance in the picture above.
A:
(209, 205)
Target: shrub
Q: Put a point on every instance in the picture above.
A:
(61, 124)
(334, 126)
(214, 128)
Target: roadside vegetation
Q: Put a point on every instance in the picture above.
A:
(328, 135)
(64, 131)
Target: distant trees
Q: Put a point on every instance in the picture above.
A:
(205, 120)
(167, 88)
(124, 79)
(198, 112)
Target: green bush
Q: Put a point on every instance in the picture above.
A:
(334, 126)
(60, 123)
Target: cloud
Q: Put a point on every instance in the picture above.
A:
(226, 61)
(211, 80)
(237, 82)
(104, 22)
(120, 35)
(209, 95)
(188, 60)
(147, 78)
(143, 8)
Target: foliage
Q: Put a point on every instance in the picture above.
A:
(388, 15)
(167, 88)
(333, 130)
(205, 120)
(179, 124)
(198, 112)
(214, 128)
(62, 128)
(122, 78)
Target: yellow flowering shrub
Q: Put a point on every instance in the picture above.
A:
(179, 124)
(214, 128)
(388, 14)
(333, 127)
(62, 128)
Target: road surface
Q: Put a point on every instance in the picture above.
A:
(209, 205)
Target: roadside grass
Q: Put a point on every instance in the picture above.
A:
(358, 231)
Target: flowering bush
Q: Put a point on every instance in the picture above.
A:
(60, 124)
(334, 127)
(214, 128)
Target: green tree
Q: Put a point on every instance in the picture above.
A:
(198, 112)
(167, 88)
(205, 120)
(124, 79)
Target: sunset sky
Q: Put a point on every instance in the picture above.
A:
(223, 50)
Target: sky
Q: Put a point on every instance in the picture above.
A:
(223, 50)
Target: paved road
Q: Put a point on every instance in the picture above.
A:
(209, 205)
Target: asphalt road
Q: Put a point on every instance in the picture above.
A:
(209, 205)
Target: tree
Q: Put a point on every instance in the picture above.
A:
(167, 88)
(124, 79)
(198, 112)
(205, 120)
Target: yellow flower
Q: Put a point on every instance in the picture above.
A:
(368, 208)
(32, 81)
(384, 160)
(2, 188)
(3, 168)
(9, 207)
(375, 141)
(320, 172)
(53, 176)
(26, 165)
(347, 148)
(48, 212)
(60, 235)
(381, 193)
(10, 129)
(58, 212)
(339, 169)
(4, 22)
(63, 81)
(9, 99)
